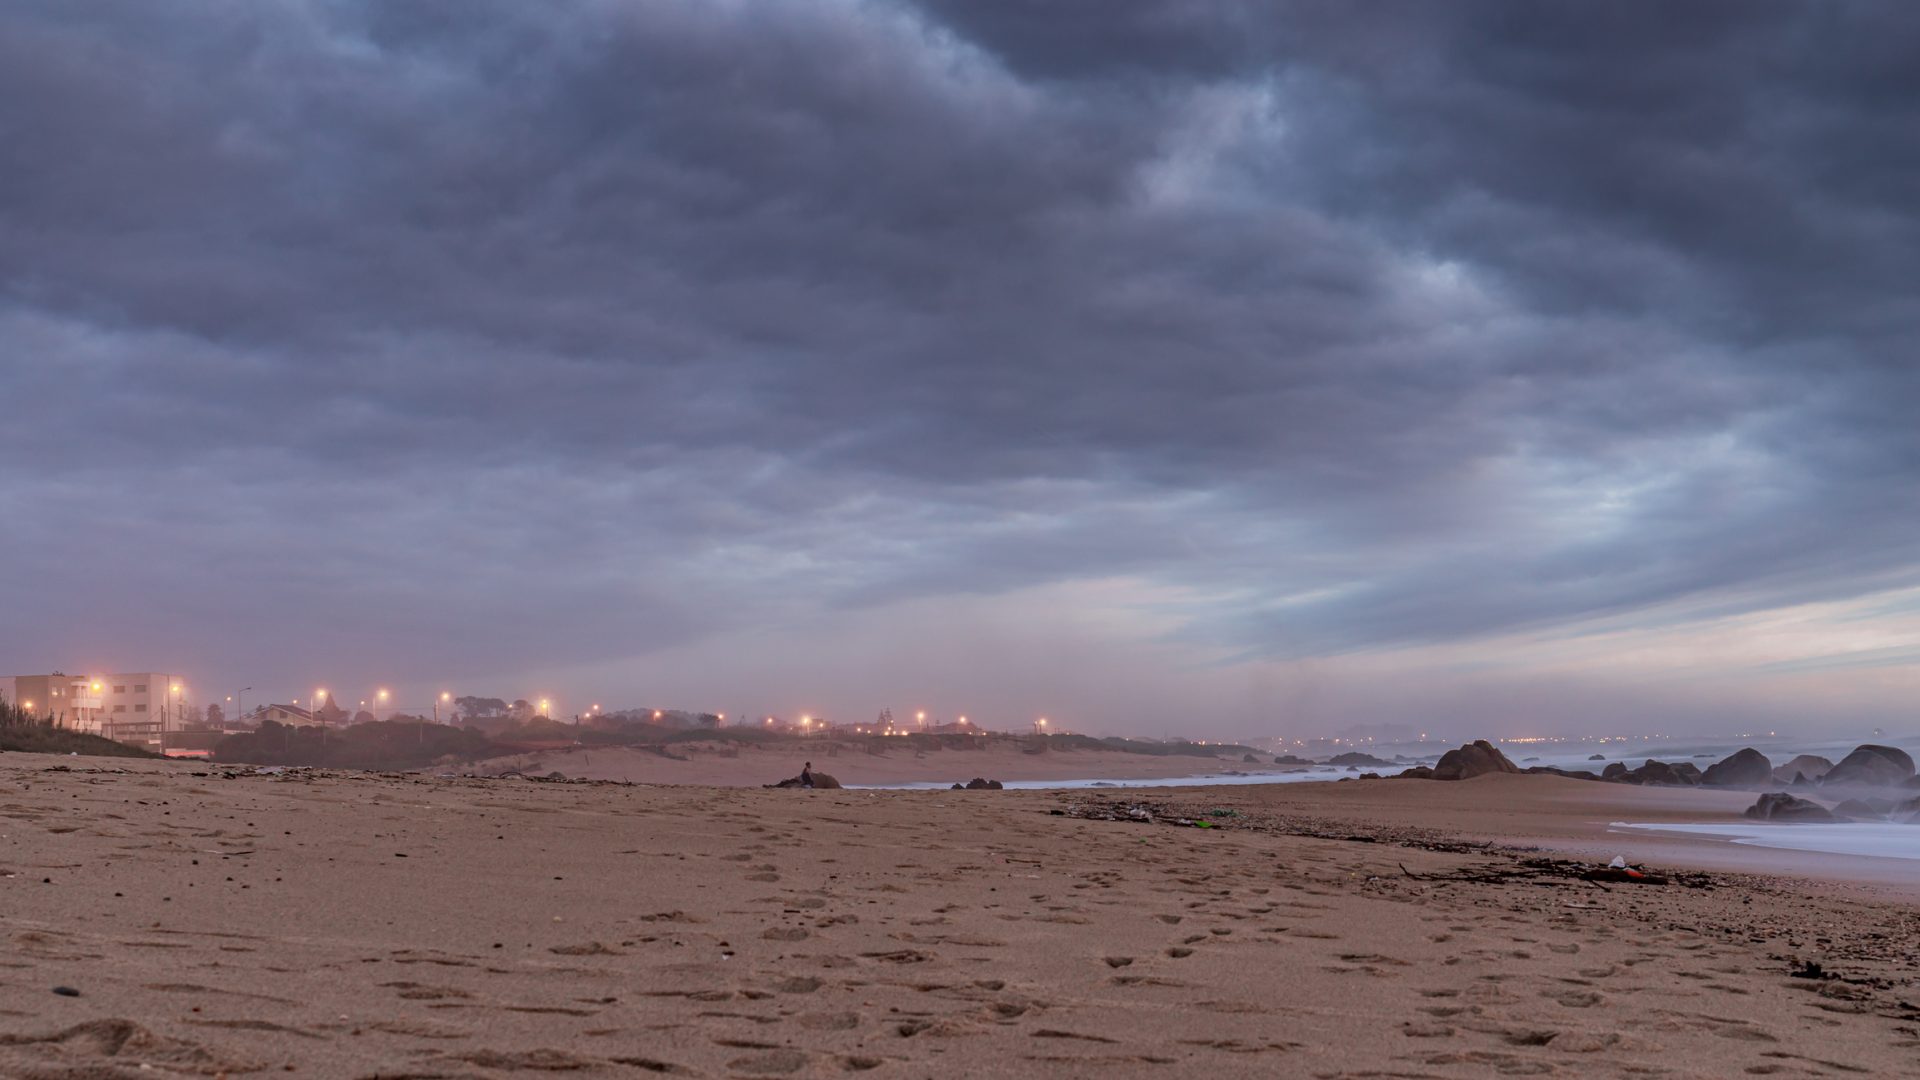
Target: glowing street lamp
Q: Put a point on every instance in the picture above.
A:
(437, 702)
(543, 706)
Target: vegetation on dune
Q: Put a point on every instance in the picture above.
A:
(25, 733)
(377, 746)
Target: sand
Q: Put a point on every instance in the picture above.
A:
(217, 921)
(732, 765)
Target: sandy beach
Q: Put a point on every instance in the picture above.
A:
(172, 919)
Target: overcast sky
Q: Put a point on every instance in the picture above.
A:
(1229, 368)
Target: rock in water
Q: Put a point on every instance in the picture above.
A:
(981, 784)
(1871, 764)
(1744, 768)
(1780, 806)
(1477, 758)
(1809, 766)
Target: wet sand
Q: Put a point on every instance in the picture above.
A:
(359, 925)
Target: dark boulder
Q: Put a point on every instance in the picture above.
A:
(1550, 770)
(820, 780)
(1780, 806)
(1614, 771)
(980, 784)
(1807, 766)
(1477, 758)
(1870, 764)
(1418, 772)
(1744, 768)
(1289, 759)
(1354, 757)
(1596, 757)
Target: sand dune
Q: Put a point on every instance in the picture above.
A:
(222, 922)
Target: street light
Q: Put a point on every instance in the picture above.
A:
(444, 696)
(543, 706)
(382, 695)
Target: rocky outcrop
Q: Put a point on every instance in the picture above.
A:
(1780, 806)
(1354, 757)
(1289, 759)
(1477, 758)
(820, 780)
(1871, 764)
(979, 784)
(1596, 757)
(1551, 770)
(1418, 772)
(1743, 768)
(1683, 774)
(1805, 768)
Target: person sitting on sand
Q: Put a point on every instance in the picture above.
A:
(806, 775)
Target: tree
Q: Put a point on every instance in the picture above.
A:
(216, 716)
(476, 707)
(364, 717)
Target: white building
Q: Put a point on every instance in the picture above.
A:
(132, 707)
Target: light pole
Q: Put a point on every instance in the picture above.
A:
(382, 696)
(1040, 726)
(444, 696)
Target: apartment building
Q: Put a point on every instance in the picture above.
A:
(134, 707)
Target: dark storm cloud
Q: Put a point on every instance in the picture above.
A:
(587, 327)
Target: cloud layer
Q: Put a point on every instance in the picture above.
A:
(491, 339)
